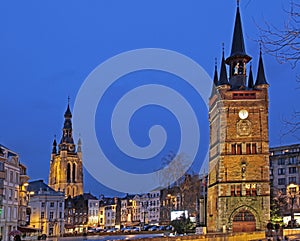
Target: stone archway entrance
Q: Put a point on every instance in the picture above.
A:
(244, 221)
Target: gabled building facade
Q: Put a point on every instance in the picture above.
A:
(238, 184)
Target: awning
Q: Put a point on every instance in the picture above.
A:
(28, 229)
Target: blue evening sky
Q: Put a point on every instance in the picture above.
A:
(48, 48)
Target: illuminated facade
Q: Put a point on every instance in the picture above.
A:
(47, 208)
(9, 188)
(66, 163)
(238, 183)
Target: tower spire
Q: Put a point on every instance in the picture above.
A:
(261, 78)
(223, 80)
(67, 142)
(238, 45)
(250, 80)
(215, 80)
(54, 145)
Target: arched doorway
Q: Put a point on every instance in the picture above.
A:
(243, 221)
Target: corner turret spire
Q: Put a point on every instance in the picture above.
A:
(261, 78)
(54, 145)
(223, 80)
(215, 80)
(250, 80)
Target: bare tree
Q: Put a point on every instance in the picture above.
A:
(284, 44)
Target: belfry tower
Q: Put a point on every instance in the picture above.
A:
(238, 188)
(66, 163)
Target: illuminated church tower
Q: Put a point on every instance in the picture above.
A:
(238, 189)
(66, 162)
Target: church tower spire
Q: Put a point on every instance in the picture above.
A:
(67, 142)
(66, 172)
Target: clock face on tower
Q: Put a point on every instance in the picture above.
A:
(243, 114)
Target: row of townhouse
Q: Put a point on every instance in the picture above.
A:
(86, 211)
(35, 205)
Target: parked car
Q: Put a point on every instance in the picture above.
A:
(162, 227)
(111, 230)
(153, 228)
(91, 230)
(169, 227)
(126, 229)
(135, 229)
(146, 227)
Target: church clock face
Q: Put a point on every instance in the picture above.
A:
(243, 114)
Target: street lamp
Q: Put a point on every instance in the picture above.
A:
(292, 190)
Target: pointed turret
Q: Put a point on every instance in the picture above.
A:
(223, 80)
(250, 79)
(54, 145)
(79, 145)
(261, 78)
(215, 80)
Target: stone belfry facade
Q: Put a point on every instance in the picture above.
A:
(238, 188)
(66, 162)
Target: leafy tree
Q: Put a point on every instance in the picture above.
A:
(182, 225)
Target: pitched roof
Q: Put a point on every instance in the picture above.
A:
(39, 185)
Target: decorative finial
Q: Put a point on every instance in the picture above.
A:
(54, 137)
(215, 62)
(68, 99)
(238, 3)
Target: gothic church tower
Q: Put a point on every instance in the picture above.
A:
(66, 163)
(238, 189)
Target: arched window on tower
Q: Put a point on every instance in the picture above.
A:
(68, 173)
(74, 173)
